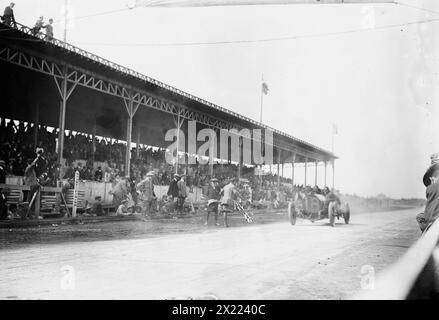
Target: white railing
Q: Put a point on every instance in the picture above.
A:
(414, 276)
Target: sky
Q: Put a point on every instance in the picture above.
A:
(379, 85)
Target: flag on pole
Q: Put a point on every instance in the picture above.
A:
(265, 88)
(334, 129)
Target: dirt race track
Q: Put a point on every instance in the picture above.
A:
(263, 261)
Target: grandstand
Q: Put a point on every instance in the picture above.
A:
(56, 84)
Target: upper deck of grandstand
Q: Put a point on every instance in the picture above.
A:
(19, 39)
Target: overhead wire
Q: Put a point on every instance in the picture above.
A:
(274, 39)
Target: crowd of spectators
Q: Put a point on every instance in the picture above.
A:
(19, 141)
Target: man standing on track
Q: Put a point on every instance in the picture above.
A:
(147, 195)
(173, 188)
(227, 204)
(213, 195)
(182, 194)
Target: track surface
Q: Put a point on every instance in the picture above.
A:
(262, 261)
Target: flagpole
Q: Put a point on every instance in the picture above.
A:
(262, 103)
(262, 98)
(66, 3)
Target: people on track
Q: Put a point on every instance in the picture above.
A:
(227, 200)
(182, 194)
(147, 195)
(213, 196)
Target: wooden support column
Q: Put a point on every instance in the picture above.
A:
(306, 170)
(333, 174)
(62, 117)
(129, 139)
(37, 122)
(131, 110)
(138, 142)
(64, 93)
(326, 169)
(315, 177)
(94, 141)
(292, 169)
(178, 121)
(278, 168)
(178, 142)
(239, 158)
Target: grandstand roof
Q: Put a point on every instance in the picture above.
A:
(21, 40)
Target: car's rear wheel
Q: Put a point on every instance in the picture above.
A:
(292, 213)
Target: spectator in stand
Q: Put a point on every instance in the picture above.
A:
(70, 172)
(99, 174)
(40, 163)
(38, 26)
(107, 175)
(8, 15)
(49, 30)
(17, 167)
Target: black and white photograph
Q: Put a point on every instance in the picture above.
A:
(219, 155)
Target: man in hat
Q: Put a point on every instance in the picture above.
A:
(40, 163)
(173, 186)
(431, 182)
(38, 26)
(30, 179)
(8, 15)
(96, 208)
(227, 200)
(123, 209)
(99, 175)
(182, 193)
(213, 195)
(49, 30)
(147, 195)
